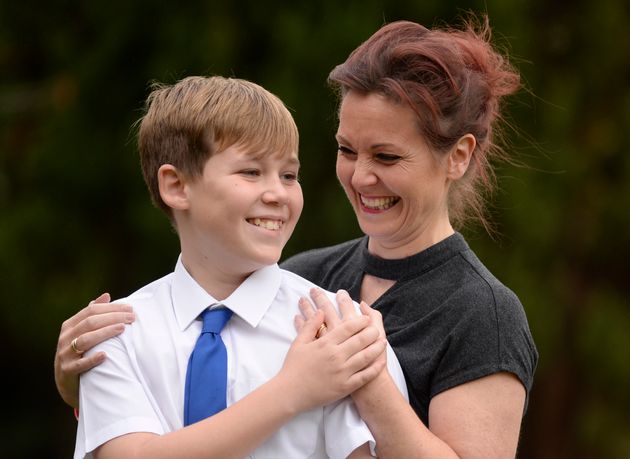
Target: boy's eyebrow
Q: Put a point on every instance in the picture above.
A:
(294, 160)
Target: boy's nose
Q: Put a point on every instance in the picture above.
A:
(275, 192)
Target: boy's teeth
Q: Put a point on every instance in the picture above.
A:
(378, 203)
(267, 224)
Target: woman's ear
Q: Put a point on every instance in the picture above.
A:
(173, 187)
(460, 155)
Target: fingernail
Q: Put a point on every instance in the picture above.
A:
(130, 317)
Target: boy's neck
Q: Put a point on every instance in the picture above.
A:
(218, 283)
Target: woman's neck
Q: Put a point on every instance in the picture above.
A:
(396, 249)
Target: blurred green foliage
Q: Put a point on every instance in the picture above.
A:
(76, 220)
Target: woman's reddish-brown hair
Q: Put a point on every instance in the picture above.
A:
(454, 80)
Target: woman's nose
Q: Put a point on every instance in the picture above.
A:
(363, 174)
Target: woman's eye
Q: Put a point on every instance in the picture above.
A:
(345, 151)
(387, 158)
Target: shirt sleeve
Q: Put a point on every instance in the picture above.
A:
(395, 371)
(113, 399)
(491, 335)
(344, 429)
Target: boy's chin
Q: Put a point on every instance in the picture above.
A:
(266, 260)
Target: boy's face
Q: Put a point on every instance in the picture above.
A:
(242, 210)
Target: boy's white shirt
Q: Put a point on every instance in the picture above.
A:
(140, 387)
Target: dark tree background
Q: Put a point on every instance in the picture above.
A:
(76, 220)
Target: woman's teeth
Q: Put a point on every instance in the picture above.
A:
(379, 203)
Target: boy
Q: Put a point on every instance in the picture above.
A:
(220, 157)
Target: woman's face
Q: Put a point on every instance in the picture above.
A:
(395, 183)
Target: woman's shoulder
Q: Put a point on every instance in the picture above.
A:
(485, 285)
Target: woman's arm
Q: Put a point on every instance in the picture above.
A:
(345, 359)
(478, 419)
(97, 322)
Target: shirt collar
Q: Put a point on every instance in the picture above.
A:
(250, 301)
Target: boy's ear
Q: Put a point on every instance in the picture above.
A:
(173, 187)
(460, 155)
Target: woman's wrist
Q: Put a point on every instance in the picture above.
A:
(380, 387)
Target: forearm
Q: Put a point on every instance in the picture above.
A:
(396, 427)
(233, 433)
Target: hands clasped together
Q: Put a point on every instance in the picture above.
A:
(334, 354)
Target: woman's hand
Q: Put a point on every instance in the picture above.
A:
(98, 321)
(320, 370)
(347, 311)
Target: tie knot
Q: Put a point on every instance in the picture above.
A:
(215, 319)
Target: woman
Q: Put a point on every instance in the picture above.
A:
(418, 111)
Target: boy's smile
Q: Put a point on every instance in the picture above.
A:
(241, 211)
(267, 223)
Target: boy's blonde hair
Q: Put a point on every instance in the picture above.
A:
(189, 121)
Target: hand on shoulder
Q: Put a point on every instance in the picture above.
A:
(97, 322)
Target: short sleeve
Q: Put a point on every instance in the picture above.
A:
(344, 430)
(490, 336)
(113, 401)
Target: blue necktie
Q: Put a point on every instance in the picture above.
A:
(206, 376)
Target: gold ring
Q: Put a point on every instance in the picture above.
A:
(322, 328)
(74, 347)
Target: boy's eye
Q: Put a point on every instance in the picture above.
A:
(290, 176)
(251, 172)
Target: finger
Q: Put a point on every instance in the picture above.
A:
(95, 322)
(306, 308)
(86, 311)
(365, 309)
(347, 329)
(376, 318)
(298, 322)
(103, 298)
(362, 377)
(309, 330)
(78, 366)
(87, 341)
(102, 320)
(366, 356)
(345, 303)
(359, 341)
(323, 303)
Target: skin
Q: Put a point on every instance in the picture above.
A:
(244, 210)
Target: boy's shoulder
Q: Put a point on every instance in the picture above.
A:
(155, 291)
(302, 286)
